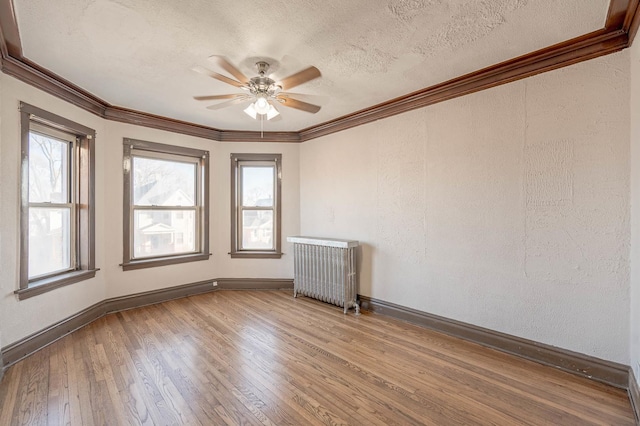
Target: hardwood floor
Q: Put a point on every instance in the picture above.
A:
(262, 357)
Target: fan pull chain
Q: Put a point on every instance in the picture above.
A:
(261, 126)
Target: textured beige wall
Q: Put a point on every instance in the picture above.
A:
(635, 208)
(21, 318)
(508, 208)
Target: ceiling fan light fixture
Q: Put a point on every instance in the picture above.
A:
(261, 105)
(261, 91)
(273, 112)
(251, 111)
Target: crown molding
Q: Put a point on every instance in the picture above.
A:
(598, 43)
(144, 119)
(40, 78)
(621, 26)
(10, 44)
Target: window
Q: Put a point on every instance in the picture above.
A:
(166, 207)
(255, 205)
(57, 209)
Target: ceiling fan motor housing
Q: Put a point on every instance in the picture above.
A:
(263, 84)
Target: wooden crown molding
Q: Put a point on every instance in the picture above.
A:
(9, 36)
(621, 26)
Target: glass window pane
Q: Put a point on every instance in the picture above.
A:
(163, 182)
(257, 229)
(163, 232)
(257, 186)
(49, 240)
(48, 169)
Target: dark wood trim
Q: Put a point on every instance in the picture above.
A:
(608, 372)
(256, 255)
(247, 136)
(632, 21)
(25, 122)
(235, 202)
(202, 159)
(144, 119)
(623, 19)
(48, 82)
(51, 283)
(157, 296)
(254, 283)
(579, 49)
(11, 43)
(205, 197)
(127, 183)
(617, 13)
(163, 261)
(141, 145)
(38, 340)
(86, 195)
(24, 347)
(85, 201)
(634, 395)
(621, 25)
(50, 119)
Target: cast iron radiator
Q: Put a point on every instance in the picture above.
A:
(325, 269)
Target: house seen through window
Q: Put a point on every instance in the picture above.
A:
(165, 190)
(51, 202)
(256, 205)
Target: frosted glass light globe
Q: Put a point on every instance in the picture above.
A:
(261, 105)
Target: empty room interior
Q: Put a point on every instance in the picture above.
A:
(339, 212)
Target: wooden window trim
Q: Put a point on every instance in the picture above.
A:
(236, 252)
(129, 263)
(85, 203)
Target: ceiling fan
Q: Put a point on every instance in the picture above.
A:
(262, 91)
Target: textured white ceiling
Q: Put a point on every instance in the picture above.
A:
(138, 54)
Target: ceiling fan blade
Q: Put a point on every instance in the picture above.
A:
(226, 65)
(228, 103)
(315, 99)
(217, 76)
(294, 103)
(300, 78)
(214, 97)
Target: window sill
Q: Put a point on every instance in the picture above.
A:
(51, 283)
(162, 261)
(256, 255)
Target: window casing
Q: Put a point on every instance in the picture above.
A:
(57, 223)
(166, 206)
(256, 205)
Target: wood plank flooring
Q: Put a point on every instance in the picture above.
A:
(263, 357)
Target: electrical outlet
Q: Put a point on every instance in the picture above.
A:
(215, 283)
